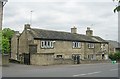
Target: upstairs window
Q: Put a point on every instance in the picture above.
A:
(76, 45)
(91, 45)
(47, 44)
(103, 47)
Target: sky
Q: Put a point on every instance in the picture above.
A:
(62, 15)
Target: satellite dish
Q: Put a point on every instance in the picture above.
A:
(4, 0)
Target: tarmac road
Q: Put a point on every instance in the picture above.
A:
(81, 70)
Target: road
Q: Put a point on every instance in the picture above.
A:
(81, 70)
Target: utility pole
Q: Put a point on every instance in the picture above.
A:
(2, 3)
(1, 14)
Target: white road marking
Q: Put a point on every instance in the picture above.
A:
(79, 75)
(113, 69)
(86, 74)
(93, 73)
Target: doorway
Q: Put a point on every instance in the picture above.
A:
(76, 58)
(27, 58)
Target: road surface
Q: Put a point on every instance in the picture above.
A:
(81, 70)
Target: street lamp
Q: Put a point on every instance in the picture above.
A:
(2, 4)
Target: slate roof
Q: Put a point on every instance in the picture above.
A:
(98, 39)
(115, 44)
(58, 35)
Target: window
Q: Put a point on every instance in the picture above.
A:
(42, 44)
(76, 45)
(103, 47)
(47, 44)
(58, 56)
(90, 45)
(91, 57)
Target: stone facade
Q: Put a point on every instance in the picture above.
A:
(114, 46)
(57, 51)
(14, 45)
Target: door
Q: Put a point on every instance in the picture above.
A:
(76, 58)
(27, 58)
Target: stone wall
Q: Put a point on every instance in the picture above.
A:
(94, 61)
(66, 49)
(14, 41)
(24, 41)
(61, 48)
(63, 61)
(42, 59)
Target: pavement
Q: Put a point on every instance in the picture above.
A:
(81, 70)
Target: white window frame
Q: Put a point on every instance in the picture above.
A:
(76, 44)
(91, 45)
(42, 44)
(47, 46)
(51, 44)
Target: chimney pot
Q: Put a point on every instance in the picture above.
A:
(89, 32)
(74, 30)
(27, 26)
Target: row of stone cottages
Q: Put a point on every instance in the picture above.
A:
(46, 47)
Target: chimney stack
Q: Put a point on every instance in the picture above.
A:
(27, 27)
(89, 32)
(74, 30)
(17, 33)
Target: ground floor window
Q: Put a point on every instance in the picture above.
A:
(92, 57)
(59, 56)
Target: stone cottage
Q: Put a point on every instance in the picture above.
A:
(114, 46)
(46, 47)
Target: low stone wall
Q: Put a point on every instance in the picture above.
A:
(5, 60)
(63, 61)
(94, 61)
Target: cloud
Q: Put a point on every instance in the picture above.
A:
(60, 1)
(62, 16)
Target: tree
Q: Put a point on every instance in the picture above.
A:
(5, 39)
(5, 45)
(0, 41)
(118, 6)
(7, 33)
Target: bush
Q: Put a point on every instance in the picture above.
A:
(115, 56)
(111, 56)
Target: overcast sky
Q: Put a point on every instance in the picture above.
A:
(61, 15)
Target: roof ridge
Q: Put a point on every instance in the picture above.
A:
(58, 31)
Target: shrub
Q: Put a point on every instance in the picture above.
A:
(114, 56)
